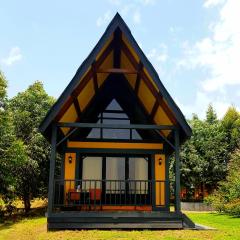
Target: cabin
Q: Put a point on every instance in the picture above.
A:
(113, 130)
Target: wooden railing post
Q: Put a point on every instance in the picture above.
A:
(52, 169)
(177, 173)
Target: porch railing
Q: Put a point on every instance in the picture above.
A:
(94, 194)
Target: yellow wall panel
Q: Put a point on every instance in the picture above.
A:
(108, 62)
(69, 171)
(86, 95)
(104, 47)
(161, 118)
(160, 175)
(101, 77)
(146, 96)
(126, 64)
(69, 116)
(115, 145)
(154, 84)
(130, 48)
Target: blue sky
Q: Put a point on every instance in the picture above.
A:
(194, 45)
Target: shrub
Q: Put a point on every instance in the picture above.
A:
(227, 197)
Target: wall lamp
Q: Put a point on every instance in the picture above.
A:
(69, 159)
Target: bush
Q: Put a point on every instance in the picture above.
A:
(227, 197)
(233, 208)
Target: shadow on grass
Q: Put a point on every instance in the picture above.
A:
(9, 221)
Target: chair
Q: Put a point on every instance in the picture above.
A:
(73, 195)
(95, 195)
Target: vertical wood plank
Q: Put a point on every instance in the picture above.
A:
(52, 169)
(177, 172)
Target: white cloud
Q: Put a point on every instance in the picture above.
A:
(159, 54)
(133, 8)
(102, 20)
(219, 53)
(137, 17)
(212, 3)
(147, 2)
(201, 103)
(115, 2)
(13, 56)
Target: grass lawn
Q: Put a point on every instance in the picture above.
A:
(35, 228)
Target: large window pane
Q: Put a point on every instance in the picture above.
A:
(92, 170)
(138, 170)
(115, 170)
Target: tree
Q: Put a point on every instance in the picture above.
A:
(231, 125)
(29, 108)
(227, 197)
(7, 139)
(211, 116)
(3, 89)
(204, 156)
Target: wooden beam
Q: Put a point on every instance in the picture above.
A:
(149, 84)
(117, 70)
(76, 92)
(94, 76)
(140, 67)
(105, 53)
(177, 173)
(154, 110)
(52, 170)
(116, 126)
(77, 106)
(85, 80)
(117, 36)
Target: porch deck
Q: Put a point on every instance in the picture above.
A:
(109, 195)
(117, 220)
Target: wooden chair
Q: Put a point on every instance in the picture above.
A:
(95, 195)
(73, 195)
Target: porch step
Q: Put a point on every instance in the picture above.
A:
(115, 220)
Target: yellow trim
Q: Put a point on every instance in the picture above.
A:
(160, 175)
(69, 116)
(154, 84)
(107, 63)
(104, 47)
(126, 64)
(161, 118)
(146, 97)
(69, 173)
(86, 95)
(130, 48)
(115, 145)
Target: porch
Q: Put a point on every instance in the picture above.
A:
(109, 195)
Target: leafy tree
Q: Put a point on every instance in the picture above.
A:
(204, 156)
(6, 140)
(231, 125)
(211, 115)
(227, 197)
(29, 108)
(3, 89)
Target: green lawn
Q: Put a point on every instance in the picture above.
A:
(35, 228)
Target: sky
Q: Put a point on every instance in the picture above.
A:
(193, 45)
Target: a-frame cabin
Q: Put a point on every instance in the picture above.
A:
(115, 126)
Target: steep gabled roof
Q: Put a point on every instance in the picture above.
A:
(103, 61)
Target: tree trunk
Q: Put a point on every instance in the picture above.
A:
(27, 203)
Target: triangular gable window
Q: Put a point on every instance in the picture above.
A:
(114, 114)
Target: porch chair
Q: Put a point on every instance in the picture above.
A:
(95, 195)
(73, 195)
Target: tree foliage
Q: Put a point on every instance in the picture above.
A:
(227, 197)
(204, 157)
(29, 108)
